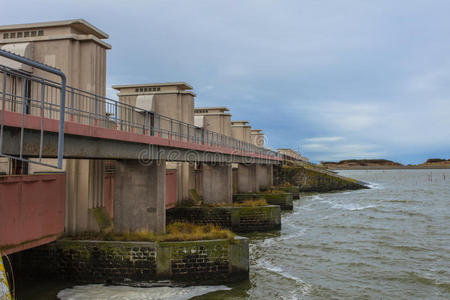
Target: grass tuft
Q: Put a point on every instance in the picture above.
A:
(251, 203)
(178, 231)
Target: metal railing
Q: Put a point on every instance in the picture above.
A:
(27, 94)
(38, 96)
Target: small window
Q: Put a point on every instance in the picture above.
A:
(40, 32)
(158, 89)
(13, 35)
(6, 35)
(19, 34)
(145, 89)
(26, 34)
(137, 90)
(141, 90)
(33, 33)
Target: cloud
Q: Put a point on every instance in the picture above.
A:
(323, 139)
(300, 70)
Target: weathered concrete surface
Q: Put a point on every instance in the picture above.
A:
(294, 190)
(217, 184)
(205, 261)
(313, 179)
(140, 196)
(246, 178)
(264, 176)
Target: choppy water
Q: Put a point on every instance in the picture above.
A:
(389, 242)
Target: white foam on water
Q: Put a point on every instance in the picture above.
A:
(375, 186)
(316, 198)
(103, 292)
(305, 288)
(352, 206)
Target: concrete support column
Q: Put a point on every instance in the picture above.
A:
(217, 183)
(84, 191)
(264, 176)
(246, 178)
(140, 196)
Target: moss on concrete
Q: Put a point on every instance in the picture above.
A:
(313, 179)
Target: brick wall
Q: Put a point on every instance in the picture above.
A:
(237, 219)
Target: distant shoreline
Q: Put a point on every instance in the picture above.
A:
(391, 168)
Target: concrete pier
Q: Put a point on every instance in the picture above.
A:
(246, 181)
(217, 183)
(264, 176)
(139, 196)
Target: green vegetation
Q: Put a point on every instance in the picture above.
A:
(251, 203)
(177, 231)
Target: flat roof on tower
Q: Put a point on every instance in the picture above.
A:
(80, 24)
(180, 85)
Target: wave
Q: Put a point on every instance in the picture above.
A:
(352, 206)
(375, 186)
(101, 291)
(305, 287)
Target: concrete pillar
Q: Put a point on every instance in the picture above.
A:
(217, 184)
(140, 196)
(246, 178)
(84, 191)
(264, 176)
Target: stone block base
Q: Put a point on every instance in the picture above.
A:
(206, 261)
(237, 219)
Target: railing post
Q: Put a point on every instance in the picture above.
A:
(159, 125)
(116, 114)
(71, 106)
(96, 110)
(132, 119)
(188, 137)
(146, 123)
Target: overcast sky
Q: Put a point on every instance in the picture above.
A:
(335, 79)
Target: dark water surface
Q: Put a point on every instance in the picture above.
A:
(389, 242)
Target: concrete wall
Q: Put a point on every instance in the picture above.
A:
(32, 210)
(217, 183)
(264, 176)
(216, 119)
(77, 49)
(173, 100)
(213, 261)
(313, 180)
(241, 131)
(246, 178)
(140, 196)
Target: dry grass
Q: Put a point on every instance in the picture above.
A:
(174, 232)
(274, 192)
(251, 203)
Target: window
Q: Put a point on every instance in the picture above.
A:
(40, 32)
(26, 34)
(137, 90)
(33, 33)
(12, 35)
(19, 34)
(6, 35)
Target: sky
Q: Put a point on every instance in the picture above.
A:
(333, 79)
